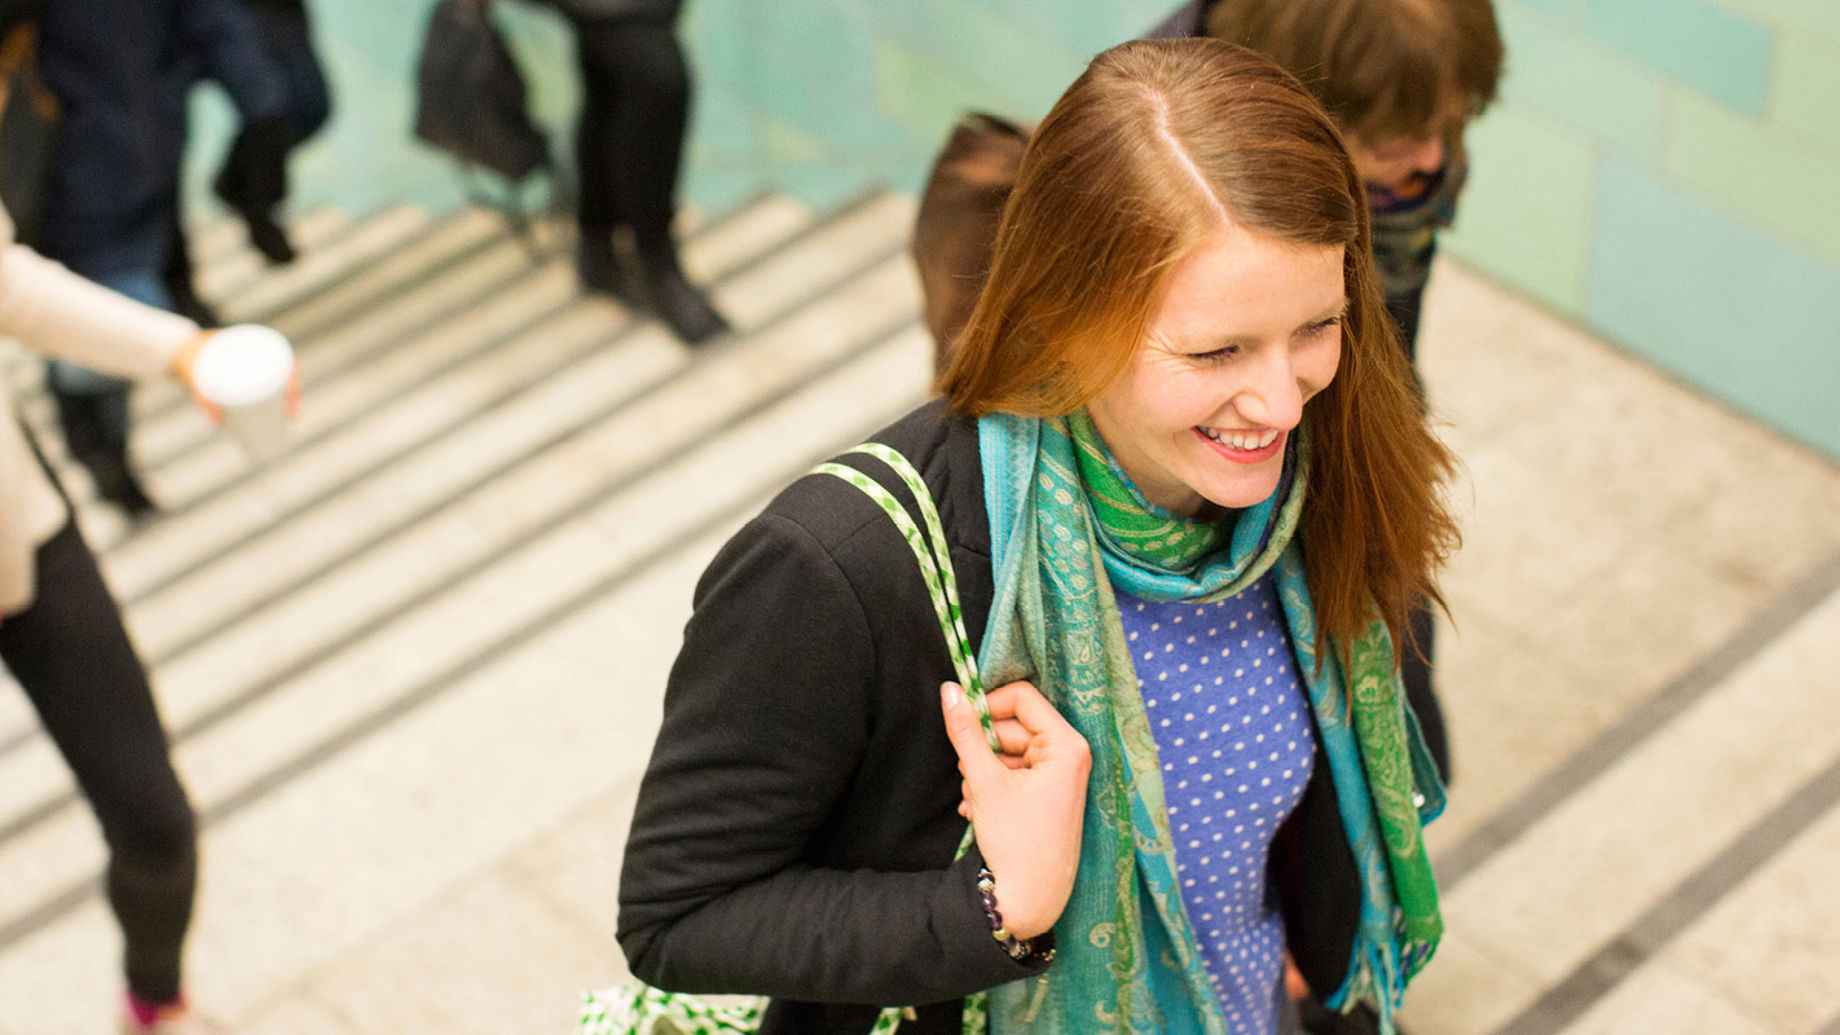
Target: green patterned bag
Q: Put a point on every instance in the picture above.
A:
(638, 1009)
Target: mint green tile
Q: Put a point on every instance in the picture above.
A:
(1821, 17)
(1757, 172)
(1526, 214)
(1030, 67)
(1806, 98)
(925, 95)
(1717, 303)
(719, 37)
(1086, 28)
(1561, 12)
(1573, 79)
(1721, 52)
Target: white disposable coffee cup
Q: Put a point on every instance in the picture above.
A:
(244, 371)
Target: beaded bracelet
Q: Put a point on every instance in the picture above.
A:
(1022, 950)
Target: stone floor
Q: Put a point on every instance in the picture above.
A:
(413, 670)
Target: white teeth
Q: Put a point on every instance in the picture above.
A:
(1244, 441)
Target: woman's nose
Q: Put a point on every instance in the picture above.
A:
(1273, 399)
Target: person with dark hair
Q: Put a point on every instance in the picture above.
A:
(121, 73)
(1183, 479)
(629, 145)
(1402, 78)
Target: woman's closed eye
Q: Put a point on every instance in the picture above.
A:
(1219, 355)
(1320, 327)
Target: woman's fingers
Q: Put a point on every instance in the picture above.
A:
(1012, 735)
(1023, 703)
(966, 733)
(1050, 736)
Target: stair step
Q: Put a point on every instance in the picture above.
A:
(587, 585)
(226, 273)
(346, 428)
(215, 676)
(349, 427)
(1544, 903)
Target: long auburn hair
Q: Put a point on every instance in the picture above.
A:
(1107, 203)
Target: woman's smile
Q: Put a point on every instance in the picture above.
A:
(1244, 447)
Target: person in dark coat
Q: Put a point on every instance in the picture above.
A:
(1189, 498)
(121, 73)
(629, 146)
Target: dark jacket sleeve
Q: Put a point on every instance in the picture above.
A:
(224, 35)
(767, 715)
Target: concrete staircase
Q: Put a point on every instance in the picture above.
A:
(438, 628)
(413, 670)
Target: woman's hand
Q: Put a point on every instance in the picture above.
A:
(185, 359)
(1026, 805)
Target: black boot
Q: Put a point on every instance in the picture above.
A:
(268, 237)
(253, 182)
(92, 442)
(676, 301)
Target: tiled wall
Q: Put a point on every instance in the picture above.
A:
(1664, 171)
(1667, 172)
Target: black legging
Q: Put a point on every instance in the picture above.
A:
(72, 655)
(630, 141)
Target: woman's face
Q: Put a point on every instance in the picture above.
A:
(1248, 330)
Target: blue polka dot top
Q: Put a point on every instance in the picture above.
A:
(1234, 737)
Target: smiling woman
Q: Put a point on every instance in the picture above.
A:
(1182, 478)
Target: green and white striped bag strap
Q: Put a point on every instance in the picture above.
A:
(636, 1008)
(935, 558)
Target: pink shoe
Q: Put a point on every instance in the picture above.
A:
(171, 1019)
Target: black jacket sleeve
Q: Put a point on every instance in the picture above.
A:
(768, 715)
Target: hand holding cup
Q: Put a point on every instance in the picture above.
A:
(244, 377)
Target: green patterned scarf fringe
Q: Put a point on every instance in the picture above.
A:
(1067, 526)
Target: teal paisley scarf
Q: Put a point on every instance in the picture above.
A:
(1066, 527)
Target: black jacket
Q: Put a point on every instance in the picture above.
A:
(795, 829)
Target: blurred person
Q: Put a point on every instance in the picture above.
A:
(61, 633)
(1402, 78)
(251, 181)
(1190, 497)
(629, 145)
(247, 182)
(121, 73)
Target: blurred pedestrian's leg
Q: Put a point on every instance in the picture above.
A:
(629, 145)
(253, 180)
(72, 656)
(93, 407)
(177, 276)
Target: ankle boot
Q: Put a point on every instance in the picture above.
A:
(676, 301)
(598, 264)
